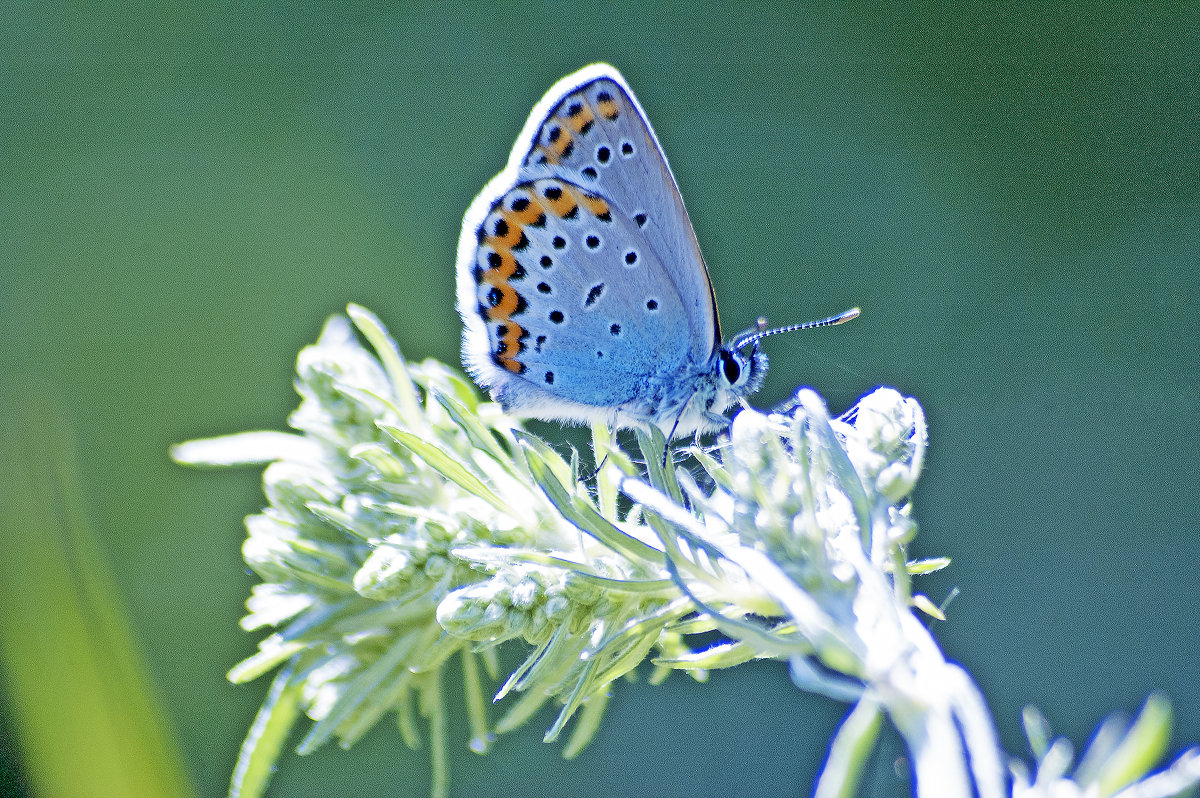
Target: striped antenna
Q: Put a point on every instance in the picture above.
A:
(759, 332)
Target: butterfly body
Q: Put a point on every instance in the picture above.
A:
(581, 286)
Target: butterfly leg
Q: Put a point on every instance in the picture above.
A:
(718, 420)
(667, 445)
(599, 468)
(612, 441)
(678, 417)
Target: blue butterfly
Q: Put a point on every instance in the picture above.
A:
(583, 293)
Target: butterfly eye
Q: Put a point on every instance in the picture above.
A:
(730, 368)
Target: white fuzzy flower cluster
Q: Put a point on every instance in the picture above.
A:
(409, 525)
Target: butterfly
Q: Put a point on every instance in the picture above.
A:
(581, 286)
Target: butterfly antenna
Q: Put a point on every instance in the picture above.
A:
(758, 333)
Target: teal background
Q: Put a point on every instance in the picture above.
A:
(1009, 194)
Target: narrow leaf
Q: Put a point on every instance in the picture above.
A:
(389, 355)
(922, 602)
(849, 752)
(267, 735)
(446, 465)
(583, 515)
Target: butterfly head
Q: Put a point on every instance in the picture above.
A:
(740, 370)
(742, 366)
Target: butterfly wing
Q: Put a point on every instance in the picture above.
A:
(580, 281)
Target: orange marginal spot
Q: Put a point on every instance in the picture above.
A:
(510, 347)
(509, 233)
(528, 215)
(596, 205)
(499, 275)
(510, 300)
(608, 108)
(581, 120)
(562, 201)
(560, 144)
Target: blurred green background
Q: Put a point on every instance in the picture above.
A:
(1010, 194)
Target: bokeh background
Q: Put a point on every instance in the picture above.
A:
(1010, 193)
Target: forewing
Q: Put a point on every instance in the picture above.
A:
(592, 131)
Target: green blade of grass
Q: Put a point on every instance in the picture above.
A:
(87, 717)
